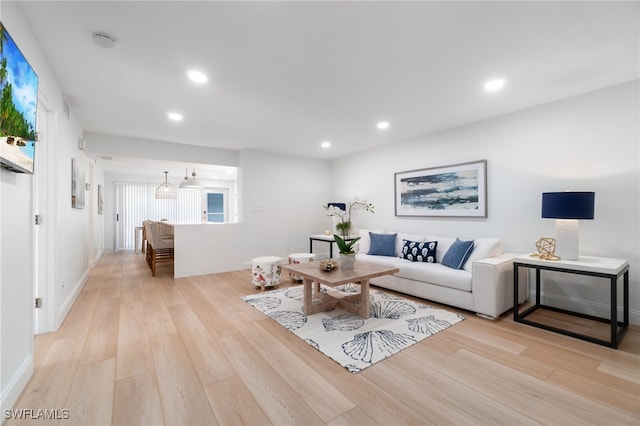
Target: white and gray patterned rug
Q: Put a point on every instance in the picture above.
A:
(395, 324)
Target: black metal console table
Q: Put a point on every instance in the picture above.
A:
(327, 239)
(602, 267)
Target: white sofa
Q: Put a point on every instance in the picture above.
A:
(484, 285)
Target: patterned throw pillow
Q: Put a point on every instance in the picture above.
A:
(419, 252)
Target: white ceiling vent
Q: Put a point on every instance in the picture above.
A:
(103, 40)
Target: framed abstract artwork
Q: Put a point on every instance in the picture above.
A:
(458, 190)
(100, 199)
(77, 185)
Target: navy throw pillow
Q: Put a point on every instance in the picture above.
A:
(457, 254)
(382, 244)
(419, 252)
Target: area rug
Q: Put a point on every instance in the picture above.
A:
(395, 324)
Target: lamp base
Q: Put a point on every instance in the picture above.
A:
(567, 239)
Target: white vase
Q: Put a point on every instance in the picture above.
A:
(347, 261)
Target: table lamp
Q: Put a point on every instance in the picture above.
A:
(567, 208)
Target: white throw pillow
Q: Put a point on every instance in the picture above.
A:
(483, 248)
(444, 243)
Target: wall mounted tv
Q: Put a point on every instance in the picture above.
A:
(18, 107)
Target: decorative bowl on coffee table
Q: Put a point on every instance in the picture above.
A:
(328, 265)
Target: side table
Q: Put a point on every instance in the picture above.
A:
(327, 239)
(601, 267)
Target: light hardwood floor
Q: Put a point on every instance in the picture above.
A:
(137, 349)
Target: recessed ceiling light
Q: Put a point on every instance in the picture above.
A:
(493, 85)
(197, 76)
(174, 116)
(383, 125)
(325, 144)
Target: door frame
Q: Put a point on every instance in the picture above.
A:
(43, 204)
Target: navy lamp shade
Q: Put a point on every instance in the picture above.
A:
(567, 208)
(341, 206)
(568, 205)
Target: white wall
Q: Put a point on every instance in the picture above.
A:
(70, 237)
(281, 200)
(121, 146)
(588, 142)
(16, 336)
(72, 226)
(207, 248)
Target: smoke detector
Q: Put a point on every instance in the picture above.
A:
(103, 40)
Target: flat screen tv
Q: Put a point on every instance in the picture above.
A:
(18, 107)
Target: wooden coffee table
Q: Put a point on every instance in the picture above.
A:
(361, 273)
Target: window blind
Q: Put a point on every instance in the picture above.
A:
(137, 203)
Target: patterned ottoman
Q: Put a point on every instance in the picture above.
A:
(299, 258)
(265, 271)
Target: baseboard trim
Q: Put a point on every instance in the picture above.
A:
(17, 384)
(96, 259)
(68, 304)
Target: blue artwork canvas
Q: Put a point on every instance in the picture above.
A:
(450, 191)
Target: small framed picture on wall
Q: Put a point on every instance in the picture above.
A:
(77, 185)
(100, 199)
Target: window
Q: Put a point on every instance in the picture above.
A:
(215, 207)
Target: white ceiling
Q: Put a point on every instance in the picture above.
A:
(284, 76)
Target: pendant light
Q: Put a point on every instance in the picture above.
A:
(166, 190)
(185, 182)
(191, 183)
